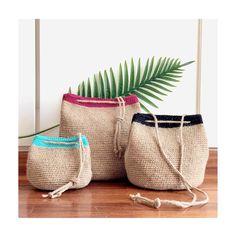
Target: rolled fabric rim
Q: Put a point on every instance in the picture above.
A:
(167, 121)
(59, 142)
(98, 102)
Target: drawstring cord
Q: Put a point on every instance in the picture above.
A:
(58, 192)
(119, 120)
(121, 102)
(156, 203)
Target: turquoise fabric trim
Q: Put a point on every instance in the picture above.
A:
(39, 141)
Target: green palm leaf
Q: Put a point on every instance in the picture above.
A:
(89, 90)
(126, 79)
(102, 83)
(145, 71)
(95, 88)
(144, 107)
(160, 81)
(145, 99)
(149, 83)
(132, 74)
(161, 68)
(146, 92)
(152, 88)
(121, 81)
(156, 84)
(157, 66)
(113, 84)
(171, 63)
(108, 87)
(150, 69)
(138, 75)
(82, 89)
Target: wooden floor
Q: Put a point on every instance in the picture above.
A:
(111, 199)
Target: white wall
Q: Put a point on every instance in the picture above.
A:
(209, 79)
(26, 77)
(73, 50)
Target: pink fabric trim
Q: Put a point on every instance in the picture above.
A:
(72, 98)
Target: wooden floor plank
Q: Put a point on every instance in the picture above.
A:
(111, 199)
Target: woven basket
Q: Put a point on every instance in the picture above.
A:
(166, 152)
(106, 123)
(54, 162)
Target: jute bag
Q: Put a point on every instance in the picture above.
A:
(167, 153)
(59, 163)
(106, 123)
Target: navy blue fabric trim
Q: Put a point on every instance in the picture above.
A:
(143, 118)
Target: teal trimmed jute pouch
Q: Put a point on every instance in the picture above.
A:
(59, 164)
(167, 153)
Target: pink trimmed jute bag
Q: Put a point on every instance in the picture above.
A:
(106, 123)
(167, 153)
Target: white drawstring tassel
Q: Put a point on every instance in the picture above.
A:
(156, 203)
(58, 192)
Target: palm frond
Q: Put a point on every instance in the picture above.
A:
(149, 82)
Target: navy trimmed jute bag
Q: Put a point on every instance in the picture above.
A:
(167, 153)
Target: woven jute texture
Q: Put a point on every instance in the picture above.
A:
(146, 166)
(50, 168)
(98, 124)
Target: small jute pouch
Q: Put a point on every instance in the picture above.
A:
(167, 153)
(106, 123)
(59, 163)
